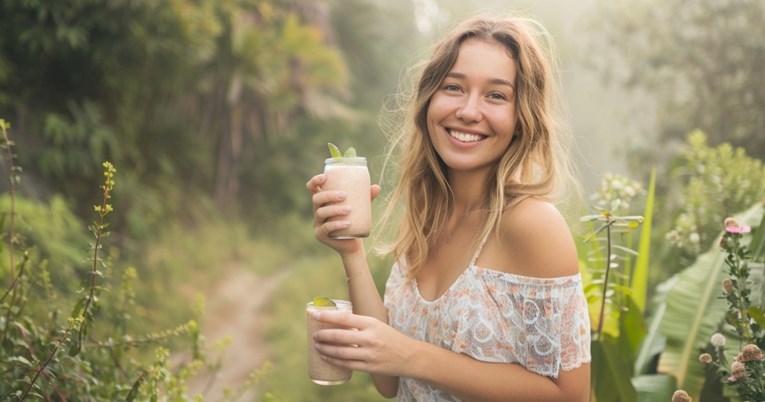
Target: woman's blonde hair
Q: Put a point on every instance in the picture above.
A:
(533, 164)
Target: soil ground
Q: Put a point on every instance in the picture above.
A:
(235, 309)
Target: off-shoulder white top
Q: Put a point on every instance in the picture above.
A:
(540, 323)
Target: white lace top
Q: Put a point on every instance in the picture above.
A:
(540, 323)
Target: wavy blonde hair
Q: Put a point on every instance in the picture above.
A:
(533, 165)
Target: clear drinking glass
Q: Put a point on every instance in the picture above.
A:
(352, 176)
(320, 371)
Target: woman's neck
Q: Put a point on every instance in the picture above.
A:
(469, 191)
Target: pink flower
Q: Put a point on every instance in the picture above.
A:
(732, 226)
(738, 229)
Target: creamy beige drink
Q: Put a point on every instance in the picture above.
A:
(320, 371)
(351, 175)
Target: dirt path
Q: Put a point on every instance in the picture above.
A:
(235, 308)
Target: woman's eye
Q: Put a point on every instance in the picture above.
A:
(451, 87)
(497, 96)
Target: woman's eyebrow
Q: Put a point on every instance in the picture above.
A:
(495, 81)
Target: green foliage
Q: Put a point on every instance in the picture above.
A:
(92, 352)
(202, 102)
(49, 230)
(701, 64)
(617, 304)
(609, 262)
(746, 373)
(707, 184)
(695, 311)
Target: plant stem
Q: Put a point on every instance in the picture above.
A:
(12, 191)
(605, 279)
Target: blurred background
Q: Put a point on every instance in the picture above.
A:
(216, 112)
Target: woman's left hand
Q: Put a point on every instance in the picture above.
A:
(367, 345)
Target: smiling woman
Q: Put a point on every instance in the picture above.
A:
(471, 117)
(476, 306)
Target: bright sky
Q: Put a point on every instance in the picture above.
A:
(425, 14)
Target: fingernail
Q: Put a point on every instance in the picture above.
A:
(342, 195)
(346, 209)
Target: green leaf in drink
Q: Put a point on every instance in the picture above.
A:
(334, 150)
(323, 302)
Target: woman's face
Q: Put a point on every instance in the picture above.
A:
(472, 116)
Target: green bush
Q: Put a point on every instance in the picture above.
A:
(706, 185)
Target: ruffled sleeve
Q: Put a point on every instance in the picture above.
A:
(547, 320)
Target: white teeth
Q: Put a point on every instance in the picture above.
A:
(465, 137)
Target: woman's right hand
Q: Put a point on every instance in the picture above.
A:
(325, 207)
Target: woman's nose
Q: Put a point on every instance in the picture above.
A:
(470, 110)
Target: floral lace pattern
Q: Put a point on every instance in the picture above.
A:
(540, 323)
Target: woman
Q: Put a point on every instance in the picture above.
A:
(485, 302)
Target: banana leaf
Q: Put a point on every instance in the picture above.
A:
(611, 372)
(654, 387)
(757, 246)
(639, 278)
(694, 312)
(654, 341)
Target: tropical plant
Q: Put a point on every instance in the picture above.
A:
(616, 284)
(746, 373)
(695, 309)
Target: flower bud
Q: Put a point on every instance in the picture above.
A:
(738, 370)
(681, 396)
(705, 358)
(727, 286)
(750, 353)
(731, 222)
(718, 340)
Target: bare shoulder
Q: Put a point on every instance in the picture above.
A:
(536, 238)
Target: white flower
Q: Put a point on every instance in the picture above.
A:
(718, 340)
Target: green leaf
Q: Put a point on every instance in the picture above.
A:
(654, 387)
(757, 315)
(323, 302)
(350, 153)
(134, 389)
(639, 281)
(757, 246)
(654, 342)
(610, 373)
(21, 359)
(334, 150)
(632, 329)
(694, 312)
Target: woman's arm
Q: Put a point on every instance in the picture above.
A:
(378, 348)
(361, 287)
(366, 301)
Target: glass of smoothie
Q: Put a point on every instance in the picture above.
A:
(320, 371)
(350, 174)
